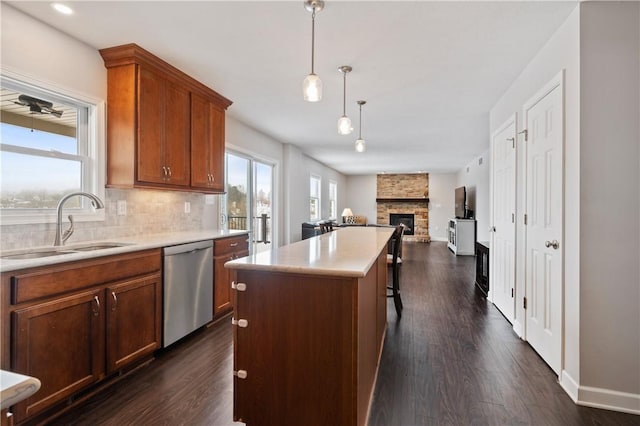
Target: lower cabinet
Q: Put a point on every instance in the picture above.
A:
(74, 324)
(224, 250)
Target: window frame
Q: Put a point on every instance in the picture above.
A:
(92, 150)
(318, 199)
(333, 200)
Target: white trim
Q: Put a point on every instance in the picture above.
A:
(569, 385)
(518, 329)
(443, 239)
(609, 399)
(96, 117)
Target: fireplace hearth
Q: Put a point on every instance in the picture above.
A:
(407, 220)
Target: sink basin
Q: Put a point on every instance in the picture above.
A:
(98, 246)
(38, 253)
(35, 254)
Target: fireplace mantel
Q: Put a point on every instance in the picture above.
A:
(401, 200)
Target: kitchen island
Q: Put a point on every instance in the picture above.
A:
(309, 324)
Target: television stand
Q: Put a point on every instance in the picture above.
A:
(462, 236)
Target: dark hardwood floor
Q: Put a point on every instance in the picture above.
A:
(451, 360)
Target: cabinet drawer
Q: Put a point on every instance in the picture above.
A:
(231, 244)
(37, 283)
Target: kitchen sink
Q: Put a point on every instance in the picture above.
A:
(35, 254)
(98, 246)
(38, 253)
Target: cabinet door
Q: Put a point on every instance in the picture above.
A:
(207, 144)
(177, 134)
(134, 311)
(222, 285)
(62, 344)
(149, 152)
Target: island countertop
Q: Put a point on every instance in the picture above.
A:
(345, 252)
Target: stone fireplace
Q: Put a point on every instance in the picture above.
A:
(405, 195)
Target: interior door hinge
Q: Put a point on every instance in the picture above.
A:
(526, 134)
(525, 218)
(513, 218)
(524, 303)
(512, 292)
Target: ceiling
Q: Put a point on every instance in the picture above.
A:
(429, 71)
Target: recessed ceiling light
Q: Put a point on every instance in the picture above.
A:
(62, 8)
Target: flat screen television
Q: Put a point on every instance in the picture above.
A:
(461, 202)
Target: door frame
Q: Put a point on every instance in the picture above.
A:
(275, 210)
(557, 81)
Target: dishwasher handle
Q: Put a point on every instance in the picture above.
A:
(187, 252)
(188, 248)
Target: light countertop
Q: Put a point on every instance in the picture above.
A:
(16, 387)
(136, 243)
(346, 252)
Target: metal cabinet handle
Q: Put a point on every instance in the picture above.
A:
(96, 311)
(233, 245)
(169, 168)
(238, 286)
(164, 172)
(555, 244)
(115, 301)
(242, 323)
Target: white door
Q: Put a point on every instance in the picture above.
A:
(503, 243)
(544, 120)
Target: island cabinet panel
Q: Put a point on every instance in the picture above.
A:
(59, 342)
(309, 350)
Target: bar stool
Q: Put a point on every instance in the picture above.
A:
(325, 227)
(394, 261)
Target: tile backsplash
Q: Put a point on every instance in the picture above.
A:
(147, 212)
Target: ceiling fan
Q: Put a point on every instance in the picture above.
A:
(38, 106)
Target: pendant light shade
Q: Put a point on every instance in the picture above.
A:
(312, 85)
(312, 88)
(344, 123)
(360, 144)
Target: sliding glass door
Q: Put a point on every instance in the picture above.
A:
(248, 204)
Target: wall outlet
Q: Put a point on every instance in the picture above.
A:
(209, 199)
(187, 207)
(121, 207)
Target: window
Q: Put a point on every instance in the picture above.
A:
(314, 196)
(48, 148)
(333, 200)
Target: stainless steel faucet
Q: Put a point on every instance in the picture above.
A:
(62, 237)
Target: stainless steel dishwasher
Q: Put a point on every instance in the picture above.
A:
(188, 289)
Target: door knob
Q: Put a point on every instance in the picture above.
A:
(555, 244)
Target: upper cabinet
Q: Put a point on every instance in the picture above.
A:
(164, 129)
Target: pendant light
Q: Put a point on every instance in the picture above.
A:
(312, 85)
(344, 123)
(360, 146)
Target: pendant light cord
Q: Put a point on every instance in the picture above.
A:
(360, 126)
(344, 93)
(313, 34)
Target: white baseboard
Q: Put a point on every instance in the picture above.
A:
(598, 397)
(609, 399)
(517, 328)
(439, 239)
(569, 385)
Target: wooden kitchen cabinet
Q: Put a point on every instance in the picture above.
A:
(207, 153)
(226, 249)
(134, 318)
(163, 151)
(72, 325)
(61, 343)
(165, 130)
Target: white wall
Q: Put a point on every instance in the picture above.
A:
(298, 169)
(441, 203)
(475, 177)
(609, 197)
(361, 196)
